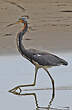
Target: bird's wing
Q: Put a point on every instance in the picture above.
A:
(46, 59)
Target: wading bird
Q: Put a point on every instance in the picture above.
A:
(38, 58)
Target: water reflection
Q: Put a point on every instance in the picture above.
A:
(35, 97)
(11, 74)
(34, 94)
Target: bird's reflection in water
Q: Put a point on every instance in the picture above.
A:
(27, 92)
(20, 93)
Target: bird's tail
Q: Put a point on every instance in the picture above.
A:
(64, 62)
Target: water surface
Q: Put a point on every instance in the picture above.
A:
(16, 70)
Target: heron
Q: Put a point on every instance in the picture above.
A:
(39, 59)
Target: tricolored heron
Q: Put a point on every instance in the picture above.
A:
(38, 58)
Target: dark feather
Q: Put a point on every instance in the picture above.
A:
(46, 59)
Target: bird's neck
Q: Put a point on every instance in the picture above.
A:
(20, 35)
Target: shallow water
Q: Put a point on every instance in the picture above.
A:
(15, 70)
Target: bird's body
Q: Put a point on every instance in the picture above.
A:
(38, 58)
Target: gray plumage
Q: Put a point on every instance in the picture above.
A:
(44, 58)
(47, 59)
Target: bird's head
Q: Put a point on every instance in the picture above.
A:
(23, 19)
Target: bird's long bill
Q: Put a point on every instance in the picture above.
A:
(17, 22)
(12, 24)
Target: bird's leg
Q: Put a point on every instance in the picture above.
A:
(18, 87)
(51, 81)
(36, 70)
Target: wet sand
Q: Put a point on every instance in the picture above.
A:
(51, 23)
